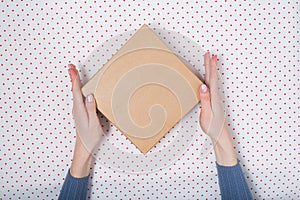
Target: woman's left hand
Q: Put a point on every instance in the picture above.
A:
(88, 128)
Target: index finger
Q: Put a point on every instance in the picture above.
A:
(207, 68)
(214, 89)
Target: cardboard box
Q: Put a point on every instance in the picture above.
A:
(144, 89)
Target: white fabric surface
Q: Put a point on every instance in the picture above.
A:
(258, 47)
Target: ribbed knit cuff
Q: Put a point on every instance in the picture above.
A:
(232, 182)
(74, 188)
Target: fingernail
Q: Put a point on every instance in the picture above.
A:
(90, 98)
(203, 88)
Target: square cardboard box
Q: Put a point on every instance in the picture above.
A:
(144, 89)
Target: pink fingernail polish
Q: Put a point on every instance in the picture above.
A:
(203, 88)
(90, 98)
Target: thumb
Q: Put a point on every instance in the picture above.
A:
(91, 107)
(205, 99)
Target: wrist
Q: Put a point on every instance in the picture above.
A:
(224, 150)
(81, 162)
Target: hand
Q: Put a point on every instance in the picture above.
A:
(212, 117)
(87, 124)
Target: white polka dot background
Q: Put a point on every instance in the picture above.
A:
(257, 43)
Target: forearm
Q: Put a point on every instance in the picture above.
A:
(231, 178)
(76, 182)
(81, 161)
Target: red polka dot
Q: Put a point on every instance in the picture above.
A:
(257, 46)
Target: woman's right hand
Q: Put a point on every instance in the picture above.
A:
(212, 116)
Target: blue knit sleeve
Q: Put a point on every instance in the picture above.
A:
(74, 188)
(232, 182)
